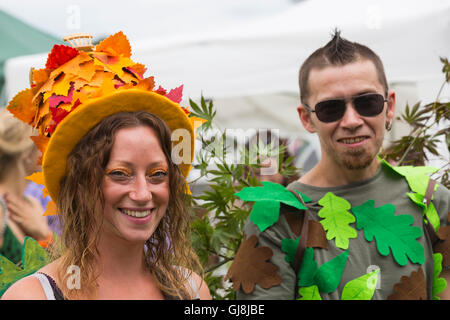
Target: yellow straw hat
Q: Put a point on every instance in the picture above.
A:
(81, 86)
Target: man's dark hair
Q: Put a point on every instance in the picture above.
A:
(338, 52)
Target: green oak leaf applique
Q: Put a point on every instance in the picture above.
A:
(309, 293)
(268, 199)
(361, 288)
(337, 219)
(391, 232)
(439, 284)
(34, 257)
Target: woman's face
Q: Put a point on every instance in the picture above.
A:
(136, 184)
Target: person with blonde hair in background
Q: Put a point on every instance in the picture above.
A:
(20, 215)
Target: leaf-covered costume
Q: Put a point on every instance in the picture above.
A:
(377, 244)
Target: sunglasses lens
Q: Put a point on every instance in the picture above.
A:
(369, 105)
(330, 110)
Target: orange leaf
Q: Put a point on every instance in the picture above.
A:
(40, 76)
(51, 210)
(21, 106)
(41, 142)
(139, 69)
(37, 177)
(116, 44)
(146, 84)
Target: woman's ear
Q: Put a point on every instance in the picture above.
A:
(305, 118)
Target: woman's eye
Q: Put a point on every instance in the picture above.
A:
(118, 174)
(157, 176)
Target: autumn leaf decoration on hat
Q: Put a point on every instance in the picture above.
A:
(75, 77)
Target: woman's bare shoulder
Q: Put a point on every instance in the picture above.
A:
(28, 288)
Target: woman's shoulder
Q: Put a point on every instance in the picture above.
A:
(197, 284)
(28, 288)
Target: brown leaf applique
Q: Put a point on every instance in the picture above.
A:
(316, 233)
(410, 288)
(443, 246)
(251, 266)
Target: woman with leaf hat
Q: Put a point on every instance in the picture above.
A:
(118, 186)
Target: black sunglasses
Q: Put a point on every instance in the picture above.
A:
(367, 105)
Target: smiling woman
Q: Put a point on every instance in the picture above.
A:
(107, 165)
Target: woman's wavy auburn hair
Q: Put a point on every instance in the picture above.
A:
(168, 253)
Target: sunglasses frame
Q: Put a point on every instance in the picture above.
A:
(345, 101)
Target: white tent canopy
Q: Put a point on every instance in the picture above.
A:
(250, 70)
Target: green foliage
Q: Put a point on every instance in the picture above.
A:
(218, 215)
(423, 139)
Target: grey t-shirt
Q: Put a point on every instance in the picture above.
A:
(385, 187)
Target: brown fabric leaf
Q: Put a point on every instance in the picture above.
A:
(316, 233)
(410, 288)
(443, 245)
(316, 236)
(251, 266)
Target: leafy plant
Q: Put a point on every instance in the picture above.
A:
(423, 139)
(218, 215)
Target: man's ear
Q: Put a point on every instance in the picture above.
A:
(390, 111)
(305, 118)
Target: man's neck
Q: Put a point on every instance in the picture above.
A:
(329, 174)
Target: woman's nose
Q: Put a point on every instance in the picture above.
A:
(141, 190)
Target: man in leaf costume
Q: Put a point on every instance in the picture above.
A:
(353, 227)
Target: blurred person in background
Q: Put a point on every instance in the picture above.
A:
(20, 215)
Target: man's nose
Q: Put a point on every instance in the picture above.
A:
(351, 118)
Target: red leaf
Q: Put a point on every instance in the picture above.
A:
(175, 94)
(59, 55)
(55, 101)
(161, 91)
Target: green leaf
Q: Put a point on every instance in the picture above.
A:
(309, 293)
(267, 199)
(289, 247)
(430, 212)
(416, 177)
(308, 269)
(330, 273)
(392, 232)
(337, 219)
(439, 284)
(361, 288)
(34, 257)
